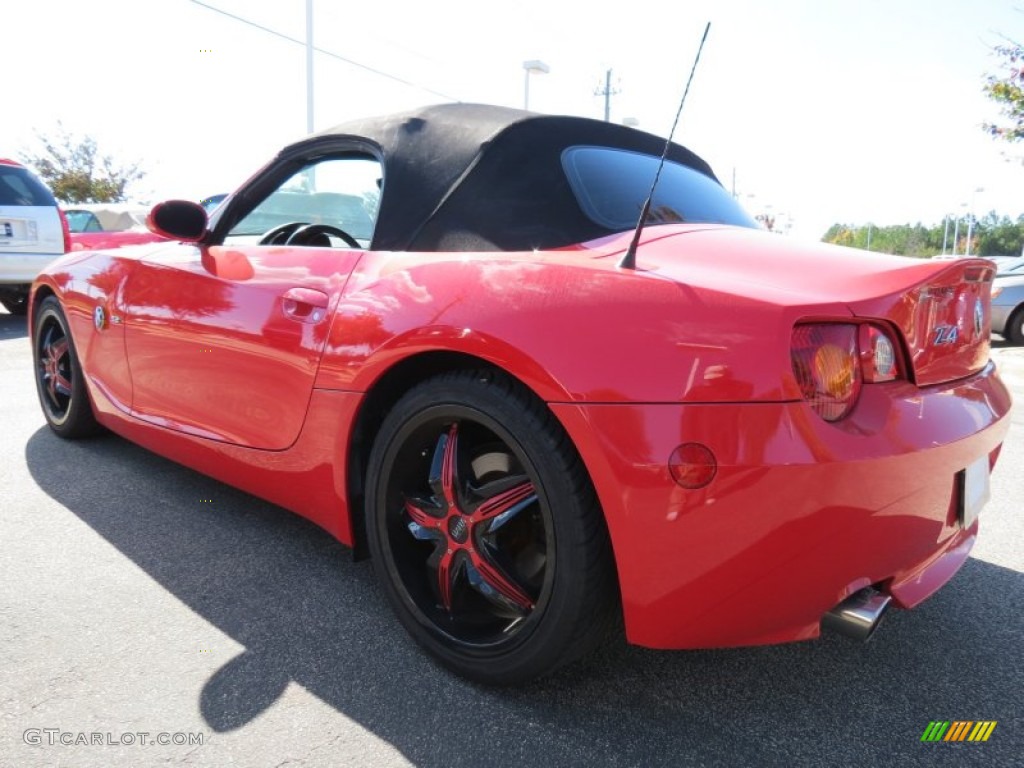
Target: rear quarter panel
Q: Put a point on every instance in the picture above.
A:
(570, 329)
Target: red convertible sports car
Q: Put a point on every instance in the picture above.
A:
(422, 332)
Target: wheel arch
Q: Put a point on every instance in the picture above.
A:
(37, 295)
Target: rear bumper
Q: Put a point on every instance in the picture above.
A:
(800, 515)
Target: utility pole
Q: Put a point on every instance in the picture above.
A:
(607, 92)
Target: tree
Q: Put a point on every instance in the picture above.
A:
(76, 172)
(1008, 91)
(991, 235)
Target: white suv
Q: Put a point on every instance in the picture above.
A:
(33, 232)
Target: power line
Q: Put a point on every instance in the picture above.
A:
(325, 52)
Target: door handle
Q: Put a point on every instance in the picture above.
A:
(305, 305)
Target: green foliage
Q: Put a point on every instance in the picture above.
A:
(76, 172)
(991, 235)
(1007, 90)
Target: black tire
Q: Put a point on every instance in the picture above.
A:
(59, 378)
(1014, 332)
(472, 484)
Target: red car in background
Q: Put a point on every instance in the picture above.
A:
(108, 225)
(425, 333)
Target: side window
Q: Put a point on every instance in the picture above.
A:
(82, 221)
(341, 193)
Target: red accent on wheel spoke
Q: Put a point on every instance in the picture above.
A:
(502, 502)
(448, 471)
(421, 517)
(444, 579)
(500, 583)
(58, 350)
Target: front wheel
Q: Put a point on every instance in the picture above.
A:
(485, 530)
(59, 378)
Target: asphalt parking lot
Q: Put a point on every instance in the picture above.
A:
(139, 597)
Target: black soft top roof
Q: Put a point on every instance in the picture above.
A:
(463, 177)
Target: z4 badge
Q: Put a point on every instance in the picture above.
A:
(945, 334)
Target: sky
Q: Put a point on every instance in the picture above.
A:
(816, 111)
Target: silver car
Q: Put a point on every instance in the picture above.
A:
(1008, 301)
(32, 233)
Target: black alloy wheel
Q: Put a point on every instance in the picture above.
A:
(485, 530)
(59, 379)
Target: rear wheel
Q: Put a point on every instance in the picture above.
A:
(59, 379)
(485, 531)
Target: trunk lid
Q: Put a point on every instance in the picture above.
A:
(940, 307)
(945, 321)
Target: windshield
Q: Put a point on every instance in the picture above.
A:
(611, 185)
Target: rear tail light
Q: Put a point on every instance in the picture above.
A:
(66, 229)
(827, 368)
(831, 362)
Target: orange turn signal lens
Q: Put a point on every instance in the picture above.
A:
(827, 367)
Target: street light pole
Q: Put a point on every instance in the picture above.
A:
(531, 67)
(945, 232)
(956, 229)
(970, 220)
(309, 66)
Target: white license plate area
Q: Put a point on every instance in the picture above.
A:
(12, 229)
(974, 491)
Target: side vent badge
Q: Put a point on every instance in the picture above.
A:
(99, 318)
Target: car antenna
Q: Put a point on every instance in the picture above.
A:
(629, 258)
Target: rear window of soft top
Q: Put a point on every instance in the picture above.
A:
(611, 185)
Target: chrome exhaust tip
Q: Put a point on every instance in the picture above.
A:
(858, 615)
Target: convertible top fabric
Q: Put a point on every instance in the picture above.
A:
(473, 177)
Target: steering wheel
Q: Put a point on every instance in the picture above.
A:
(306, 234)
(281, 234)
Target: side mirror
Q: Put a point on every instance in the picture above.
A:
(178, 220)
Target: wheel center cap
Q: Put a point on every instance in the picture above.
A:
(458, 529)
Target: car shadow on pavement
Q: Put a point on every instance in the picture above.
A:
(307, 613)
(12, 326)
